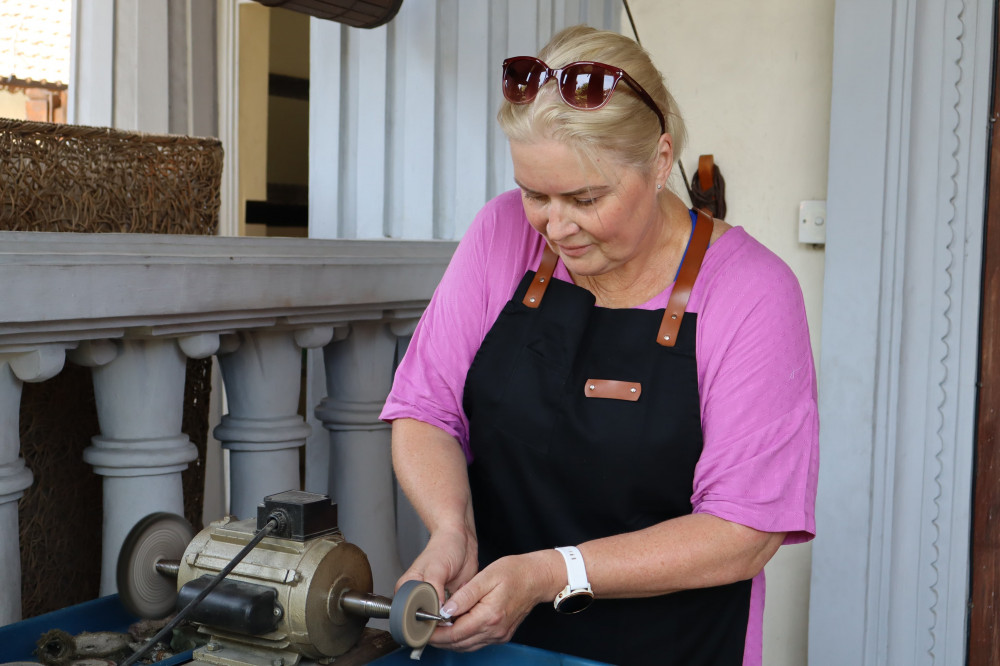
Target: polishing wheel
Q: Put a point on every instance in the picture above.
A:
(404, 626)
(159, 537)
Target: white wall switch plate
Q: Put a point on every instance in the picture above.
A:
(812, 222)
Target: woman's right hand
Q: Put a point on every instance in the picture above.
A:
(450, 559)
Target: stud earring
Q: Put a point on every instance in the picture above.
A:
(659, 187)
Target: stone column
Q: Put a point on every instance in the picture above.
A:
(16, 367)
(359, 368)
(263, 430)
(141, 452)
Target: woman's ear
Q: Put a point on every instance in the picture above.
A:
(664, 158)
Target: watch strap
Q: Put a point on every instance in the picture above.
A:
(576, 571)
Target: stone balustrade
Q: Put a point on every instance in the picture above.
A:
(133, 308)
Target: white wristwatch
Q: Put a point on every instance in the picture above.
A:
(577, 595)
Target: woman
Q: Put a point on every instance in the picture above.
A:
(589, 377)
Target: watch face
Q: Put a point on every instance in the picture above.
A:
(575, 602)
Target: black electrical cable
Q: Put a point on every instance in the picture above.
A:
(632, 21)
(274, 521)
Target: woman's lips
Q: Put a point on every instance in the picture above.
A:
(573, 250)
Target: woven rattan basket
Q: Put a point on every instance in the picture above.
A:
(72, 178)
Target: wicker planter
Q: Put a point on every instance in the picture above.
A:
(71, 178)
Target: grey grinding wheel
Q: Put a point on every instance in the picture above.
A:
(143, 590)
(406, 629)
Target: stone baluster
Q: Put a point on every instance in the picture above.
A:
(262, 372)
(141, 452)
(359, 366)
(16, 367)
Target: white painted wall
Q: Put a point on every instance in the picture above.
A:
(753, 82)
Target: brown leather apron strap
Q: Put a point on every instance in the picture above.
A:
(543, 276)
(686, 277)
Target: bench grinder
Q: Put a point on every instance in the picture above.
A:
(302, 591)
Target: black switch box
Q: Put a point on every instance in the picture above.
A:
(308, 515)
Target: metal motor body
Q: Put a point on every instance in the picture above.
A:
(302, 591)
(308, 576)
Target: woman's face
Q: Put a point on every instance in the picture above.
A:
(596, 215)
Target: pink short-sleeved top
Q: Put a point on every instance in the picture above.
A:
(756, 380)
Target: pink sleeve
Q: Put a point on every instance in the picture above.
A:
(483, 273)
(759, 465)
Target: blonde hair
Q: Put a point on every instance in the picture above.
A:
(626, 128)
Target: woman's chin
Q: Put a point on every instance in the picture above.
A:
(584, 266)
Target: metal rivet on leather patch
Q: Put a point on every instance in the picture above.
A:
(592, 387)
(666, 337)
(673, 316)
(541, 279)
(633, 390)
(531, 300)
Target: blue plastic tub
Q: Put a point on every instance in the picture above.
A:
(18, 640)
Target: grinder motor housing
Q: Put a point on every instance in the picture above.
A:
(301, 591)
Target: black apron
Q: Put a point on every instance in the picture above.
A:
(557, 464)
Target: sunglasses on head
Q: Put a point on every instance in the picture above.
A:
(583, 85)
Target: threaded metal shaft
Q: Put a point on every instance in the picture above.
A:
(366, 605)
(168, 567)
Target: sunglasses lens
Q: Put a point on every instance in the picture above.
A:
(587, 86)
(521, 80)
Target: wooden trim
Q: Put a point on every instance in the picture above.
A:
(984, 610)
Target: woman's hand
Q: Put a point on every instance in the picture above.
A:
(449, 561)
(490, 607)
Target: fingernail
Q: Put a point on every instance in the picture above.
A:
(448, 609)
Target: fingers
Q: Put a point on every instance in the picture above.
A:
(464, 599)
(487, 610)
(485, 624)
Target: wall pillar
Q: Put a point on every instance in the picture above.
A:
(901, 312)
(263, 430)
(359, 367)
(33, 366)
(141, 452)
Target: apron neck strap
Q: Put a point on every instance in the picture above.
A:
(686, 276)
(543, 276)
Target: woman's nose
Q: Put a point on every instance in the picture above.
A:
(560, 224)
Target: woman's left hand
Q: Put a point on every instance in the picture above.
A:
(490, 607)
